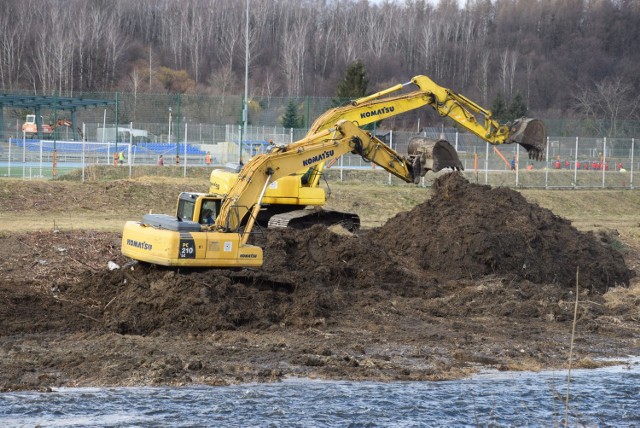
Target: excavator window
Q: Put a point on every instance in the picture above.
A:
(186, 209)
(209, 211)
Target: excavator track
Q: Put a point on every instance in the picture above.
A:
(305, 218)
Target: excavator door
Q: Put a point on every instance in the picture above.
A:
(427, 154)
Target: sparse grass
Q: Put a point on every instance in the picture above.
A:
(622, 297)
(106, 204)
(616, 244)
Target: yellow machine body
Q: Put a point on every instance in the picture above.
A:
(160, 246)
(287, 190)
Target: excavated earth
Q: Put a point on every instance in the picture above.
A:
(475, 277)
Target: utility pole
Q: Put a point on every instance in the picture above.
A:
(245, 109)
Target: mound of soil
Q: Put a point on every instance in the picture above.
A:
(464, 232)
(468, 231)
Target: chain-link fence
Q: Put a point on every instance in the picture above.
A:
(568, 162)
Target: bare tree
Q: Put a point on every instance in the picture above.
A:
(468, 35)
(13, 43)
(483, 77)
(325, 45)
(230, 36)
(612, 99)
(529, 65)
(137, 77)
(378, 26)
(223, 82)
(195, 41)
(293, 53)
(300, 48)
(504, 71)
(427, 44)
(513, 63)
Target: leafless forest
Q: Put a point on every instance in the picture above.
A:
(575, 58)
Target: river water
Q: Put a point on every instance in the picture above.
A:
(603, 397)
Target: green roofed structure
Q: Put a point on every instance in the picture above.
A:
(37, 103)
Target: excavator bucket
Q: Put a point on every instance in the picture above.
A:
(426, 154)
(530, 134)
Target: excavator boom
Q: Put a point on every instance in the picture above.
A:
(530, 133)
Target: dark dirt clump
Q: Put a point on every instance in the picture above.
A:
(467, 231)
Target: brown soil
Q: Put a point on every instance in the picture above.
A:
(474, 277)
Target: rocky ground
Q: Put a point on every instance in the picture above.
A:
(475, 277)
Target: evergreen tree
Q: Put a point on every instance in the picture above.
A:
(291, 118)
(517, 108)
(499, 108)
(354, 85)
(355, 82)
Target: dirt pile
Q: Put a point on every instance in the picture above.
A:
(464, 233)
(467, 231)
(309, 277)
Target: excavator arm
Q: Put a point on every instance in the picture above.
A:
(447, 103)
(285, 201)
(529, 133)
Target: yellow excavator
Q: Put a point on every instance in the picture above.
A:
(212, 230)
(285, 200)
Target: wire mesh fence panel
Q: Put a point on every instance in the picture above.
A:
(569, 162)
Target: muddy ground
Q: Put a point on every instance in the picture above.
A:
(473, 278)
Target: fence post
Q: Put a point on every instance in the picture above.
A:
(486, 164)
(391, 147)
(117, 125)
(604, 159)
(241, 136)
(83, 159)
(185, 148)
(9, 158)
(546, 168)
(633, 141)
(24, 157)
(517, 164)
(575, 166)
